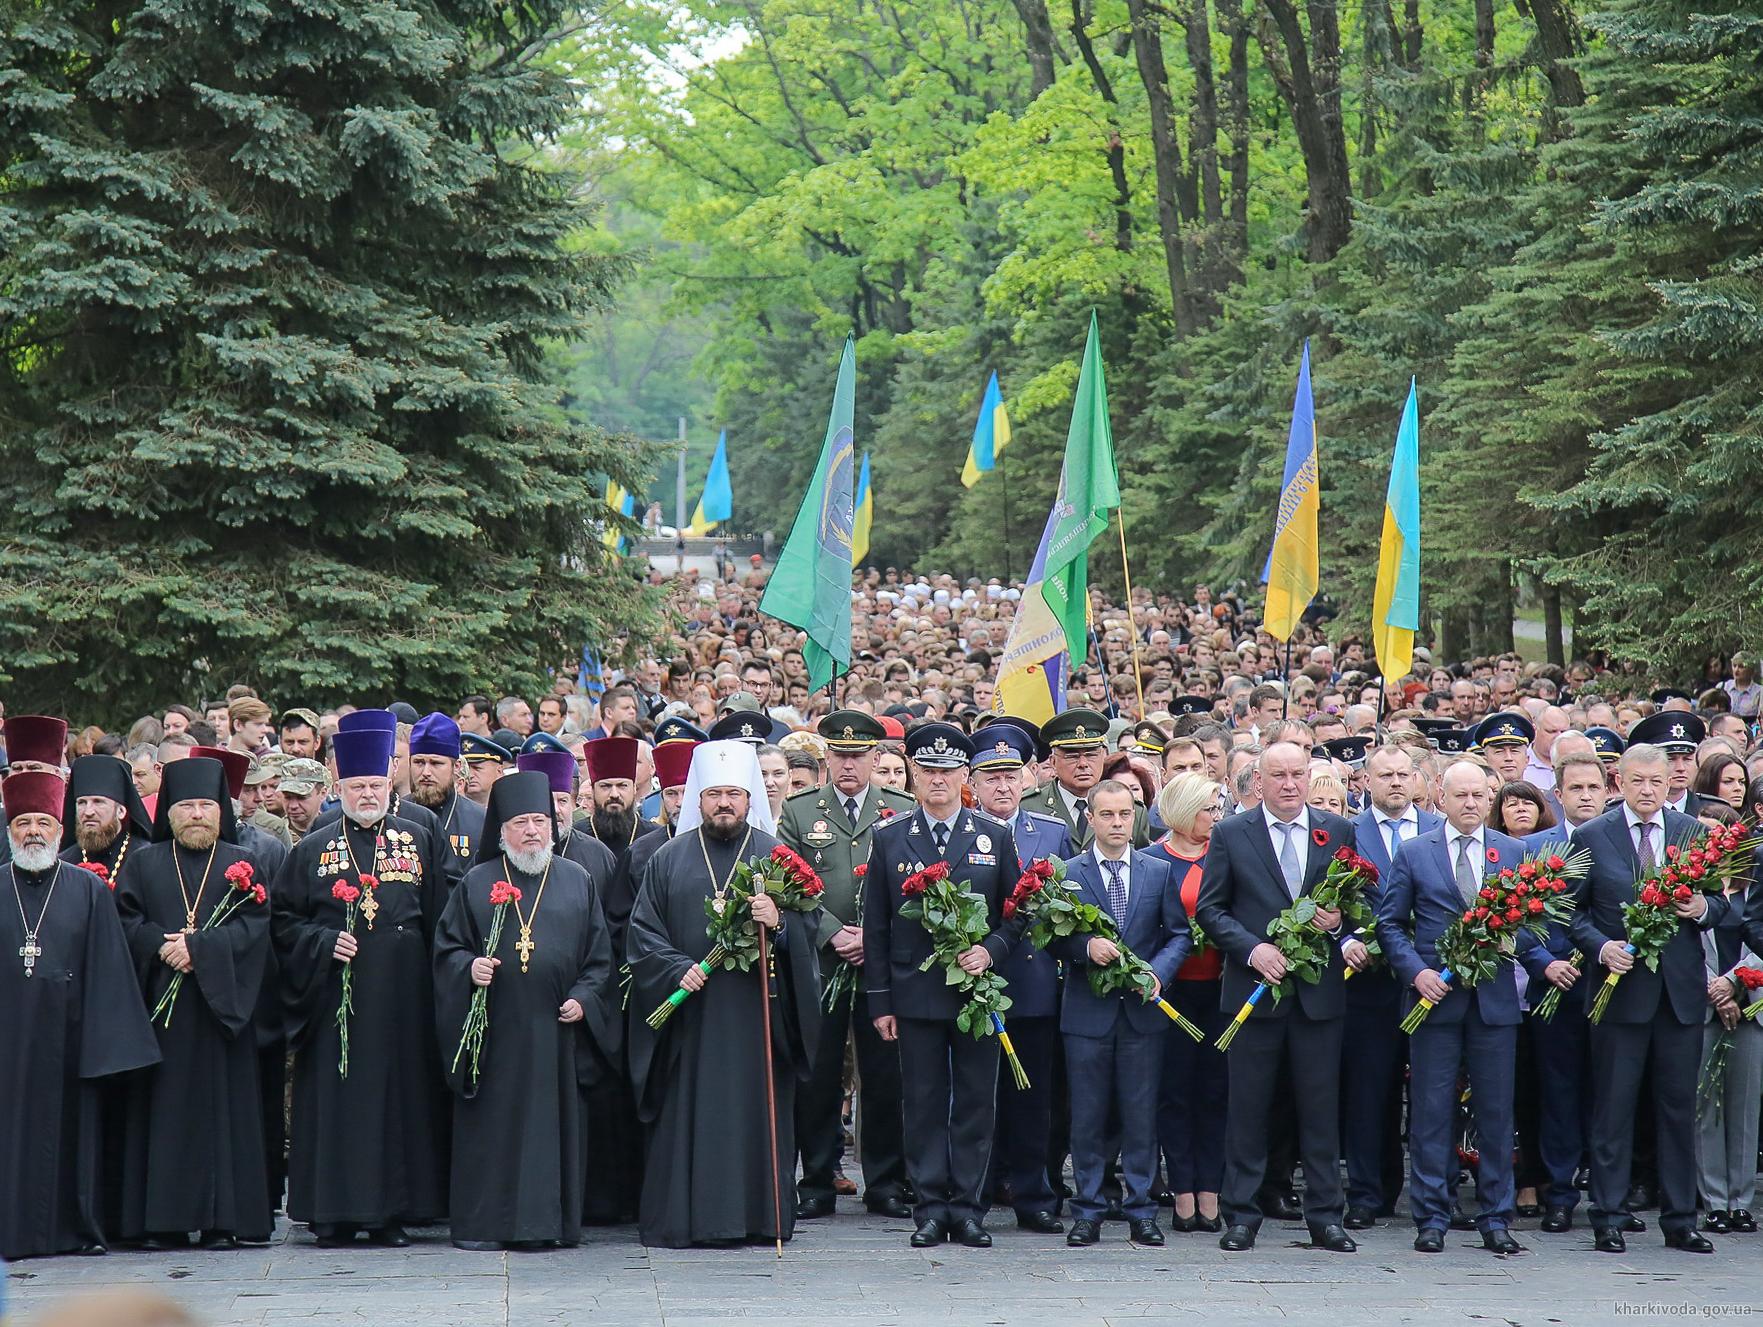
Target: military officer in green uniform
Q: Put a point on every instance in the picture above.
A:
(1078, 741)
(830, 826)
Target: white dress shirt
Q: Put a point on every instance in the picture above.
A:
(1409, 820)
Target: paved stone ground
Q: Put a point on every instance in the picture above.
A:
(858, 1269)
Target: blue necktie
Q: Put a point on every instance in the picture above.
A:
(1288, 859)
(941, 835)
(1116, 890)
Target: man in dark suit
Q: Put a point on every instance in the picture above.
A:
(1025, 1117)
(1259, 864)
(949, 1078)
(1560, 1042)
(1434, 879)
(1114, 1043)
(1653, 1018)
(1077, 741)
(1374, 1052)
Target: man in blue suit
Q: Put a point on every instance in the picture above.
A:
(1025, 1118)
(1434, 879)
(1653, 1018)
(1373, 1051)
(1114, 1043)
(1560, 1042)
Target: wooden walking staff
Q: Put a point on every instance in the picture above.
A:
(777, 1203)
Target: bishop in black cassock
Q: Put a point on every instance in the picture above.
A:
(194, 1158)
(519, 1132)
(72, 1016)
(368, 1151)
(700, 1078)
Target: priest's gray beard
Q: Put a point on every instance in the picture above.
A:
(614, 827)
(535, 862)
(728, 835)
(365, 818)
(34, 858)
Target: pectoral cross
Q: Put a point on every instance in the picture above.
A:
(370, 907)
(30, 951)
(524, 946)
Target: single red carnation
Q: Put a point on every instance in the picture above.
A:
(239, 871)
(345, 892)
(860, 870)
(369, 881)
(502, 892)
(259, 894)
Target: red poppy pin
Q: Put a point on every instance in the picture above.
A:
(1493, 854)
(1319, 837)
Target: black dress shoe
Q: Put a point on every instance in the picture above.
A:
(1333, 1239)
(1742, 1222)
(162, 1242)
(1145, 1230)
(811, 1209)
(94, 1249)
(1557, 1219)
(1640, 1198)
(1610, 1241)
(1083, 1232)
(479, 1245)
(1210, 1224)
(1359, 1218)
(1718, 1223)
(970, 1233)
(1237, 1239)
(1461, 1220)
(334, 1236)
(1500, 1241)
(1285, 1207)
(389, 1237)
(1631, 1224)
(929, 1235)
(1040, 1223)
(1528, 1210)
(1688, 1241)
(1163, 1195)
(1430, 1240)
(218, 1240)
(895, 1209)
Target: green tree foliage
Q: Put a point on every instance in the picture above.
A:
(277, 285)
(1545, 215)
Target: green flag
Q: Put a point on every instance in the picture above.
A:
(811, 586)
(1088, 491)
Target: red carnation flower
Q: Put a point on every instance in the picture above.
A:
(239, 871)
(1319, 837)
(101, 871)
(812, 888)
(345, 892)
(369, 881)
(1750, 978)
(502, 892)
(259, 894)
(860, 870)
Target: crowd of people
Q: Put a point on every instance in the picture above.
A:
(379, 969)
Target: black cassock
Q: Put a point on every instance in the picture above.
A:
(77, 1019)
(700, 1079)
(193, 1155)
(519, 1135)
(368, 1150)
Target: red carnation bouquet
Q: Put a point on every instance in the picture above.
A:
(101, 871)
(957, 920)
(351, 897)
(844, 978)
(1705, 864)
(477, 1018)
(1527, 897)
(245, 889)
(1056, 911)
(1308, 951)
(734, 939)
(1711, 1087)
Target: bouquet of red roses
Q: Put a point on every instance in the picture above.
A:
(957, 920)
(245, 889)
(477, 1018)
(1705, 864)
(734, 938)
(1056, 911)
(1308, 951)
(1525, 897)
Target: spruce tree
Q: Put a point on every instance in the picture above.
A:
(276, 286)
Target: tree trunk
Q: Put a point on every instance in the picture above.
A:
(1314, 98)
(1484, 56)
(1116, 147)
(1038, 38)
(1203, 120)
(1236, 121)
(1411, 34)
(1558, 36)
(1147, 43)
(1553, 636)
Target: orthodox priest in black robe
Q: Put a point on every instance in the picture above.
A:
(102, 818)
(72, 1016)
(197, 918)
(719, 1176)
(368, 1149)
(552, 1000)
(434, 786)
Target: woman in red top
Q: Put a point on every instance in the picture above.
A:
(1191, 1098)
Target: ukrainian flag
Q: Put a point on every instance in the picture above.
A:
(991, 434)
(1292, 569)
(1031, 673)
(718, 502)
(625, 504)
(865, 518)
(1395, 609)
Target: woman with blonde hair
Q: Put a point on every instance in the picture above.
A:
(1191, 1095)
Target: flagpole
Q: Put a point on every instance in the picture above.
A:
(1004, 479)
(1132, 627)
(1285, 681)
